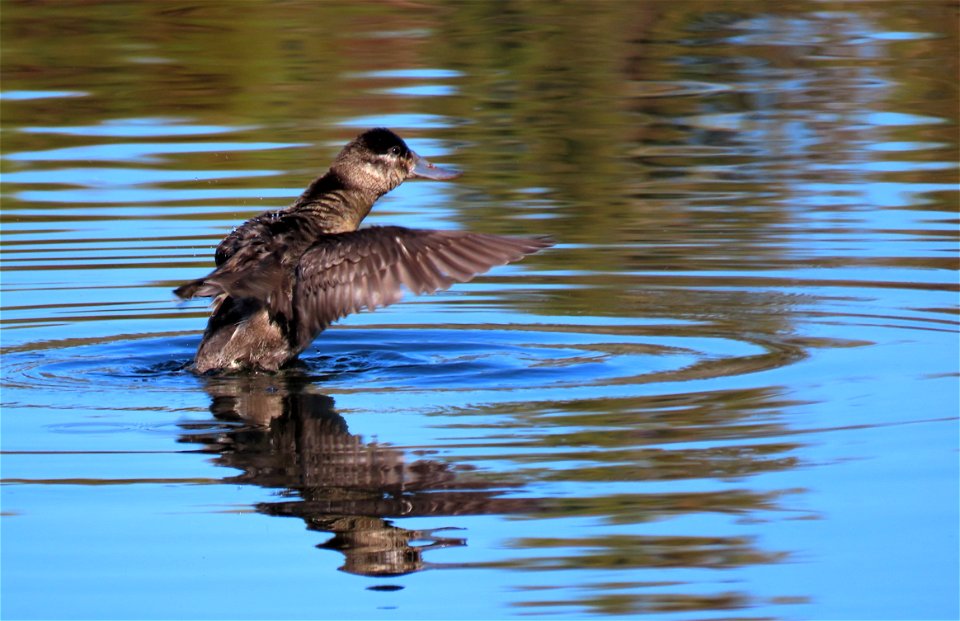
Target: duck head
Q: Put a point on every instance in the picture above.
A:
(379, 160)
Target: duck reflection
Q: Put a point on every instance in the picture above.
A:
(287, 436)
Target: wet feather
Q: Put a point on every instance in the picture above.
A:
(284, 276)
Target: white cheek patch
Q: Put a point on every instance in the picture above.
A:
(370, 173)
(369, 168)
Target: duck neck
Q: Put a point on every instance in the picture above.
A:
(338, 207)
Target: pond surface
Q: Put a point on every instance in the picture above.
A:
(730, 391)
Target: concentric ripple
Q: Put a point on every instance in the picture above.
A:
(499, 357)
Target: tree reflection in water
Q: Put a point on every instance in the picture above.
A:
(289, 437)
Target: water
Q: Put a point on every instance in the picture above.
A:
(730, 391)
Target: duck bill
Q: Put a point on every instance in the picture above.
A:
(423, 169)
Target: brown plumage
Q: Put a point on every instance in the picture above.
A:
(284, 276)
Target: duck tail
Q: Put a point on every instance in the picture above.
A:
(199, 288)
(188, 290)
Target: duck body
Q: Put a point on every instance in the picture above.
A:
(283, 276)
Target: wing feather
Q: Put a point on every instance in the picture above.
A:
(369, 268)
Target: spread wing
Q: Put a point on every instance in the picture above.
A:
(368, 268)
(247, 274)
(255, 261)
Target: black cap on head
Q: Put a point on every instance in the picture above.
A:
(381, 140)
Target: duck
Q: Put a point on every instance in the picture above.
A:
(282, 277)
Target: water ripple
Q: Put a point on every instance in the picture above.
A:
(424, 358)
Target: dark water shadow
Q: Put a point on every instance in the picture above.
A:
(290, 438)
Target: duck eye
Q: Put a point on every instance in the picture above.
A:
(395, 150)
